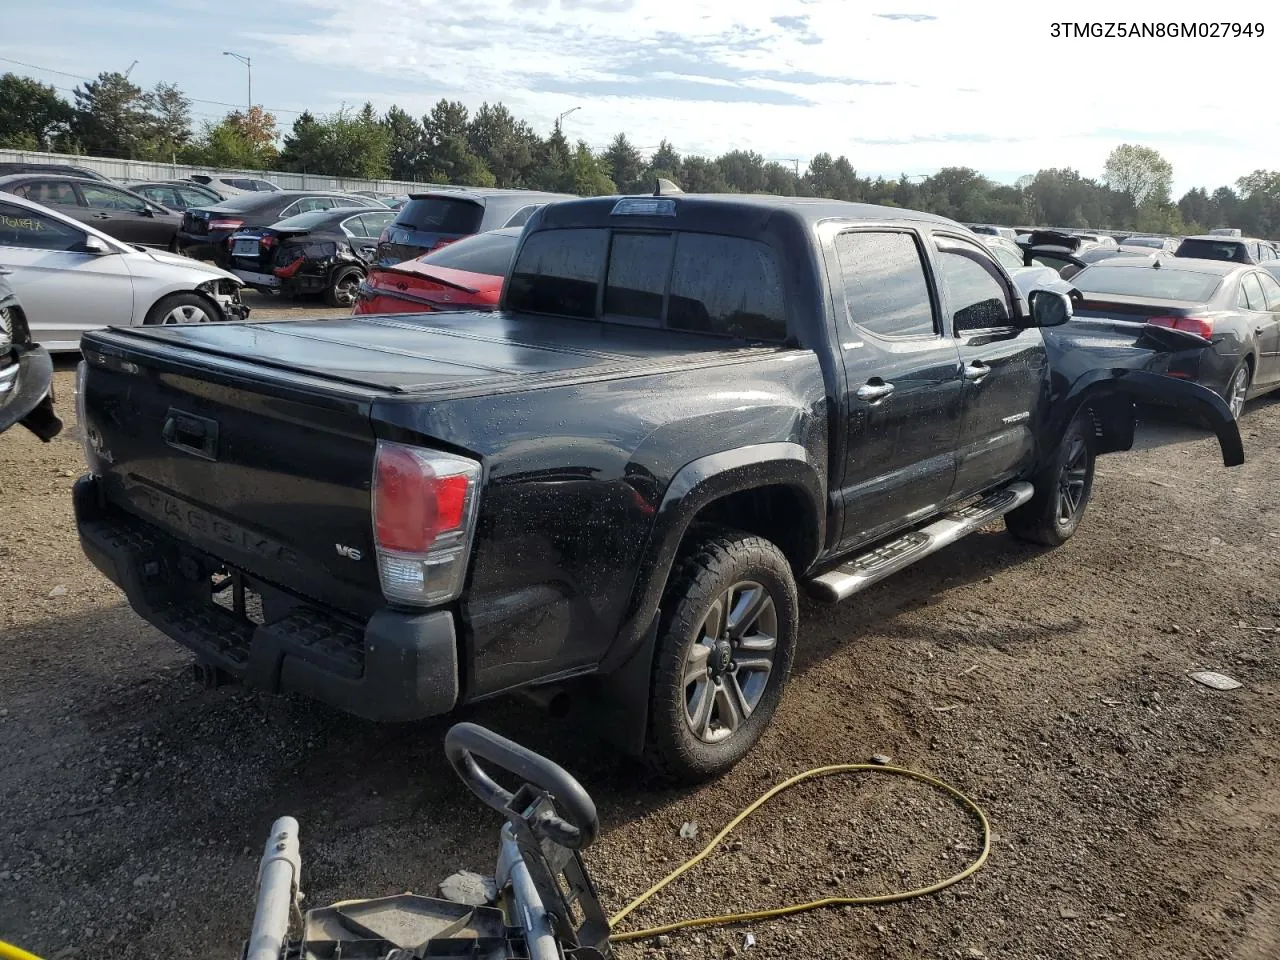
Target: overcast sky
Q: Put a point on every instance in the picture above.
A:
(896, 86)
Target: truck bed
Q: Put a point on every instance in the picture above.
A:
(255, 443)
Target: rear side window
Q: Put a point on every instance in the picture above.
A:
(885, 290)
(1270, 290)
(488, 253)
(441, 215)
(558, 272)
(1252, 290)
(728, 286)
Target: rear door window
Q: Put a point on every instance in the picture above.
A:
(50, 192)
(885, 290)
(313, 203)
(558, 272)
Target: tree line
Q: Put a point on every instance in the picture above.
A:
(112, 117)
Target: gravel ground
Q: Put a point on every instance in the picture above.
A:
(1135, 812)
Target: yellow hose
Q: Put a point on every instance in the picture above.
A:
(728, 918)
(9, 952)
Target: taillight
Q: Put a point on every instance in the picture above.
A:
(267, 241)
(424, 506)
(385, 235)
(225, 224)
(1200, 326)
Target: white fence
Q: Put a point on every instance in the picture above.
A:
(149, 170)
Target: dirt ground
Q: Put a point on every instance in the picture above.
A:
(1135, 812)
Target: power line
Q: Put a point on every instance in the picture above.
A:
(76, 76)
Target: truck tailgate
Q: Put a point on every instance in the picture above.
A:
(274, 484)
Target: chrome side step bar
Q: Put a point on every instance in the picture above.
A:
(873, 566)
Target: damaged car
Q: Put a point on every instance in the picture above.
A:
(72, 278)
(26, 372)
(1221, 320)
(466, 275)
(322, 251)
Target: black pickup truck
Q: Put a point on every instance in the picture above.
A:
(686, 409)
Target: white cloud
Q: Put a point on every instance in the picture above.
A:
(984, 86)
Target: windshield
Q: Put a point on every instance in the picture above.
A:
(488, 253)
(1146, 281)
(441, 215)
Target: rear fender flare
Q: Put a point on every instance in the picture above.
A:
(621, 688)
(694, 487)
(1200, 403)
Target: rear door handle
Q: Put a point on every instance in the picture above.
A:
(871, 392)
(976, 370)
(102, 216)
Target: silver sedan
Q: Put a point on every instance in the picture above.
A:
(71, 278)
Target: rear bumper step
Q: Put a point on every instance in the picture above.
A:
(398, 666)
(888, 558)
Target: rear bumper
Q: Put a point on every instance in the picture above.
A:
(395, 667)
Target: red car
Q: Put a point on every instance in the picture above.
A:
(465, 275)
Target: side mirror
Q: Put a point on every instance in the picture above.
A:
(147, 212)
(1049, 309)
(94, 245)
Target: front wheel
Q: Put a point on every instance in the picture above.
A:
(725, 646)
(182, 308)
(1051, 516)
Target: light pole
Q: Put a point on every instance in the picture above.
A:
(561, 117)
(248, 64)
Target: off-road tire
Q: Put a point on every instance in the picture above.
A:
(710, 565)
(1040, 520)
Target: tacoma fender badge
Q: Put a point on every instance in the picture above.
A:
(1018, 417)
(351, 553)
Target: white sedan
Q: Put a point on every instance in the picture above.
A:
(71, 278)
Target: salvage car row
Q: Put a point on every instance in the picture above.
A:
(451, 249)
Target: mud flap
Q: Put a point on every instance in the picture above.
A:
(620, 699)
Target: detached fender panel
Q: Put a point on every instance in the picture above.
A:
(1194, 401)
